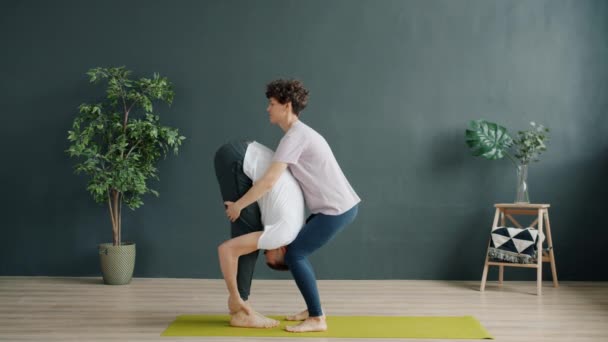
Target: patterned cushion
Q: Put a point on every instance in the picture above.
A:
(517, 245)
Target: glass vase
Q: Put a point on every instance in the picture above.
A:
(522, 184)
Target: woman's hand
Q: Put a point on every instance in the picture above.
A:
(236, 304)
(233, 211)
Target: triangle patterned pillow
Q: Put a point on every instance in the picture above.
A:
(517, 245)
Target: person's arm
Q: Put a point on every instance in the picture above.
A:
(229, 253)
(259, 188)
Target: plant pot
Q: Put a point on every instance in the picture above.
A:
(117, 262)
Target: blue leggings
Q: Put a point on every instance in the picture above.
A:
(318, 230)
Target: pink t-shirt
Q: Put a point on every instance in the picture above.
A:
(311, 161)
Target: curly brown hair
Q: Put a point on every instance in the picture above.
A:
(286, 91)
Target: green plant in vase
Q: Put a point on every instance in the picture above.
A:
(118, 143)
(492, 141)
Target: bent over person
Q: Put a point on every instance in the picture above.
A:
(270, 224)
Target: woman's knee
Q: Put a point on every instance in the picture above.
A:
(292, 257)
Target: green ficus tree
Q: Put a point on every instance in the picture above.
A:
(119, 141)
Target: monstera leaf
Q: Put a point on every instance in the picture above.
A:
(487, 139)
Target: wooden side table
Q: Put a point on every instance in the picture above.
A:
(541, 211)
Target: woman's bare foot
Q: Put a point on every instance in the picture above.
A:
(309, 325)
(298, 317)
(236, 304)
(255, 320)
(274, 322)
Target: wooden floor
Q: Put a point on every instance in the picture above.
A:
(83, 309)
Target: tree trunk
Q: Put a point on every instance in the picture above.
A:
(113, 217)
(116, 217)
(120, 217)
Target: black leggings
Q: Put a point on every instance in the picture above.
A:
(233, 185)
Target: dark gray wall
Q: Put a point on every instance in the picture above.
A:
(393, 85)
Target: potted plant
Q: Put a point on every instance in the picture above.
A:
(117, 143)
(492, 141)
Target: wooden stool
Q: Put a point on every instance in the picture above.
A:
(541, 211)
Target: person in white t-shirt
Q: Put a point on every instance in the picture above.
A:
(271, 225)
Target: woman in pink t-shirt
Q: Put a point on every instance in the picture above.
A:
(329, 196)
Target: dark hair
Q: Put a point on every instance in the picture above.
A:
(278, 267)
(288, 91)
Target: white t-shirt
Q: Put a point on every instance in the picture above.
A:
(282, 207)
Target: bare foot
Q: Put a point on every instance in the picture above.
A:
(298, 317)
(268, 319)
(255, 320)
(309, 325)
(236, 304)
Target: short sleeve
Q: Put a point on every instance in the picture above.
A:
(290, 149)
(249, 162)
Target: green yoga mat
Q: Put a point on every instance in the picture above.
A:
(464, 327)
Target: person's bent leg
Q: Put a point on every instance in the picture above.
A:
(296, 259)
(242, 315)
(229, 253)
(316, 233)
